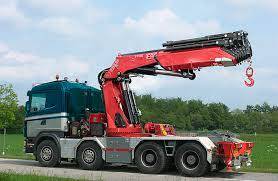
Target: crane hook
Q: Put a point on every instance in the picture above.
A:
(250, 82)
(249, 73)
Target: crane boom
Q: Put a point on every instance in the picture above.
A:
(181, 56)
(177, 58)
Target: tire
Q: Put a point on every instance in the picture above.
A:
(191, 160)
(89, 156)
(48, 154)
(170, 166)
(150, 158)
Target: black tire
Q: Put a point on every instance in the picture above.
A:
(48, 154)
(191, 160)
(170, 166)
(89, 156)
(150, 158)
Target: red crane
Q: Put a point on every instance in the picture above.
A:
(177, 58)
(81, 131)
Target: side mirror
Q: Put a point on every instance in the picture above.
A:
(27, 106)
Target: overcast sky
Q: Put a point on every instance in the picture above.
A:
(79, 38)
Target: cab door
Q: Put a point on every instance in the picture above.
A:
(46, 113)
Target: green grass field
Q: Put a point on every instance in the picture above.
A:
(264, 157)
(14, 147)
(265, 152)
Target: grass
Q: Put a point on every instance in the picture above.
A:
(264, 156)
(29, 177)
(14, 147)
(265, 152)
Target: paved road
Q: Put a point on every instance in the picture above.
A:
(120, 173)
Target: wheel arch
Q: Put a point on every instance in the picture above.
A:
(180, 143)
(160, 142)
(46, 136)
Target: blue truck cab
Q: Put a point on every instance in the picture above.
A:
(53, 105)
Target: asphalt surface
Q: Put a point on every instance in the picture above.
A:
(120, 173)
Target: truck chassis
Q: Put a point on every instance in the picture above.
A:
(192, 156)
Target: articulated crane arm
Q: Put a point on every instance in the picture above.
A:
(177, 58)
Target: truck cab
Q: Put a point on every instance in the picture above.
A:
(52, 106)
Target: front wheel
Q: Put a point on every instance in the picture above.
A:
(48, 154)
(191, 160)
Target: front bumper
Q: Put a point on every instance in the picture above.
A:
(28, 146)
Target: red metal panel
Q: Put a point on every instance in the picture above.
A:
(230, 150)
(192, 58)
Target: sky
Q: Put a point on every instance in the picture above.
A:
(79, 38)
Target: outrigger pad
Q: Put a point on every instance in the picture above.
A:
(235, 43)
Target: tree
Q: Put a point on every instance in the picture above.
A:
(8, 105)
(19, 117)
(195, 115)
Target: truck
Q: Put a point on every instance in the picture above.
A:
(73, 122)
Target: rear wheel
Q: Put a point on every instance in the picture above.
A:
(191, 160)
(89, 156)
(150, 158)
(48, 154)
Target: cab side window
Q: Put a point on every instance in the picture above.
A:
(38, 102)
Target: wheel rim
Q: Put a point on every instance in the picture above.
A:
(190, 160)
(149, 158)
(88, 156)
(46, 153)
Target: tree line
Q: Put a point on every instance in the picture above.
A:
(183, 114)
(197, 115)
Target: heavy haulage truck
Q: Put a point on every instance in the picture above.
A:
(70, 121)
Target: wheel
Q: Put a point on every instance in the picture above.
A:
(48, 154)
(89, 156)
(191, 160)
(150, 158)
